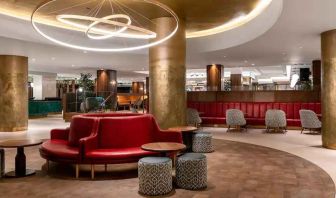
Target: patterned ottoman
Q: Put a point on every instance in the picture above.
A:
(191, 171)
(155, 175)
(202, 143)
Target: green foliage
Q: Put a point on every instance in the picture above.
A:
(86, 82)
(306, 85)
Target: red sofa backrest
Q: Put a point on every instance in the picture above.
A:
(81, 127)
(253, 109)
(104, 115)
(121, 132)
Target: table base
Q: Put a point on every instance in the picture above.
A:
(187, 140)
(13, 174)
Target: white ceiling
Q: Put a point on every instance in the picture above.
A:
(288, 32)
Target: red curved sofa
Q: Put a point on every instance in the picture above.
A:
(213, 113)
(105, 139)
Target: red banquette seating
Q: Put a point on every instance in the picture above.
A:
(214, 112)
(105, 139)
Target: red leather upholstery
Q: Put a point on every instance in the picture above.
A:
(214, 112)
(55, 148)
(105, 138)
(63, 145)
(80, 127)
(119, 140)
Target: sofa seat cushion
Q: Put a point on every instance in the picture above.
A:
(59, 148)
(255, 121)
(294, 122)
(118, 153)
(208, 120)
(219, 120)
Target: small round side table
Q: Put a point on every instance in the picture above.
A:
(165, 149)
(20, 158)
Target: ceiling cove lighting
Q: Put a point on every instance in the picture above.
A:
(121, 20)
(238, 21)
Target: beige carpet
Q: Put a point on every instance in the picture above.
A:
(234, 170)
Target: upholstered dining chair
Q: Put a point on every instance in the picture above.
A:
(309, 121)
(235, 118)
(276, 119)
(193, 117)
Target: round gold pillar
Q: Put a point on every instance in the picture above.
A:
(167, 75)
(328, 41)
(14, 93)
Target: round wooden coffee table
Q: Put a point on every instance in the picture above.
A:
(187, 135)
(166, 149)
(20, 158)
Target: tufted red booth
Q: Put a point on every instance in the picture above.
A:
(214, 112)
(105, 139)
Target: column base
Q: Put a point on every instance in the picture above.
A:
(13, 129)
(331, 146)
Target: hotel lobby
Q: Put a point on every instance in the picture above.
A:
(168, 98)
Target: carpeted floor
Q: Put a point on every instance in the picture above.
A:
(234, 170)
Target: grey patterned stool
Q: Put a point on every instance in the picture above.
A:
(155, 175)
(202, 143)
(191, 171)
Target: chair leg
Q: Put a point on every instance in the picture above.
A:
(228, 129)
(77, 171)
(105, 167)
(92, 171)
(47, 165)
(302, 130)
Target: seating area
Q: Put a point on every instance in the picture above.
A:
(214, 113)
(167, 98)
(105, 139)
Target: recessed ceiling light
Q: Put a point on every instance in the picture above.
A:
(53, 58)
(73, 65)
(253, 64)
(300, 47)
(245, 61)
(224, 56)
(85, 52)
(33, 59)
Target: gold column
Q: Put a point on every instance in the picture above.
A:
(167, 75)
(329, 89)
(14, 93)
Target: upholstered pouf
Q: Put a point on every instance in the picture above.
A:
(191, 171)
(202, 143)
(155, 176)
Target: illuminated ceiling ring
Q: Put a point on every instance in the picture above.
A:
(89, 29)
(121, 34)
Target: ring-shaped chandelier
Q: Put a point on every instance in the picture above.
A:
(96, 33)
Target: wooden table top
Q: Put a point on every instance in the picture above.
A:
(163, 147)
(19, 143)
(183, 128)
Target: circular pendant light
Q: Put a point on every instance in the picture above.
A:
(93, 25)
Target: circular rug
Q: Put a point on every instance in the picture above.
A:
(234, 170)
